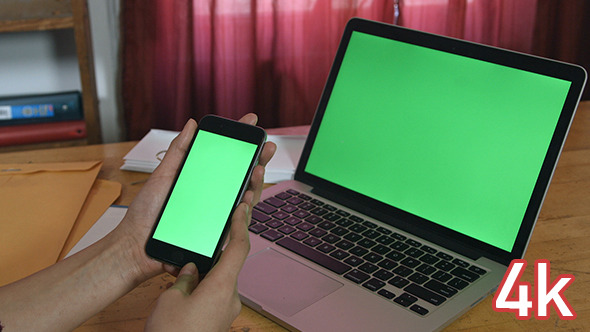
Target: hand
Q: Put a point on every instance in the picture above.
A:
(142, 213)
(210, 304)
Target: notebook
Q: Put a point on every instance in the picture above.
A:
(422, 177)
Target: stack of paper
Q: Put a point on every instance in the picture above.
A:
(147, 154)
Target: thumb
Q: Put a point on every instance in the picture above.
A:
(187, 279)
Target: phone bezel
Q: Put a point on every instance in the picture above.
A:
(174, 255)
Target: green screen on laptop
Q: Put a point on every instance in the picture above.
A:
(451, 139)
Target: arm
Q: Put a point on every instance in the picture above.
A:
(68, 293)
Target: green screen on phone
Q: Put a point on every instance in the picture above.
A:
(454, 140)
(205, 192)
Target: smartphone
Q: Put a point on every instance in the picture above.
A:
(195, 219)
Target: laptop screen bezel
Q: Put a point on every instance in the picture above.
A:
(411, 223)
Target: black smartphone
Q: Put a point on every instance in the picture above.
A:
(195, 219)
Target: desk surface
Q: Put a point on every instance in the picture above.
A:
(561, 236)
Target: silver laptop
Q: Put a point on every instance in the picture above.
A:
(421, 179)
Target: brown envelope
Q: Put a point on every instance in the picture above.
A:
(101, 196)
(39, 204)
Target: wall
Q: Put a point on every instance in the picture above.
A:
(45, 62)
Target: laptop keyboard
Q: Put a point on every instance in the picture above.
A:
(390, 264)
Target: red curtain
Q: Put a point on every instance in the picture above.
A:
(189, 58)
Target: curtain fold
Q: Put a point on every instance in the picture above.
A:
(189, 58)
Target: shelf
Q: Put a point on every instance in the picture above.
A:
(41, 15)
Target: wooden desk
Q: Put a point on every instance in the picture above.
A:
(562, 235)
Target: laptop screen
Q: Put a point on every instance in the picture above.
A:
(451, 139)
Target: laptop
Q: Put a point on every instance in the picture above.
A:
(421, 178)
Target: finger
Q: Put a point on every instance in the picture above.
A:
(235, 253)
(267, 152)
(250, 119)
(256, 185)
(187, 280)
(177, 149)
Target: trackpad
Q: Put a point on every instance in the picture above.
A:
(278, 282)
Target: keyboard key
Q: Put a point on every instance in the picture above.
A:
(372, 257)
(419, 310)
(369, 224)
(410, 262)
(319, 211)
(353, 237)
(342, 213)
(413, 243)
(257, 228)
(312, 241)
(272, 235)
(280, 215)
(371, 234)
(444, 256)
(414, 252)
(398, 236)
(359, 251)
(292, 221)
(339, 254)
(340, 231)
(399, 246)
(458, 283)
(304, 197)
(293, 192)
(329, 207)
(344, 244)
(477, 270)
(306, 206)
(384, 230)
(325, 247)
(357, 228)
(317, 232)
(326, 225)
(429, 249)
(305, 226)
(289, 209)
(313, 255)
(373, 284)
(274, 202)
(295, 200)
(386, 294)
(356, 219)
(354, 261)
(440, 288)
(405, 299)
(465, 274)
(313, 219)
(344, 222)
(357, 276)
(257, 215)
(426, 269)
(418, 278)
(316, 202)
(331, 216)
(385, 240)
(429, 259)
(366, 243)
(331, 238)
(283, 196)
(383, 275)
(368, 268)
(425, 294)
(299, 235)
(398, 282)
(274, 223)
(387, 264)
(403, 271)
(286, 229)
(381, 249)
(461, 263)
(301, 214)
(265, 208)
(441, 276)
(395, 256)
(444, 265)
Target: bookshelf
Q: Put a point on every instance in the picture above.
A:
(42, 15)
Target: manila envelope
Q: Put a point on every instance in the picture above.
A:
(39, 204)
